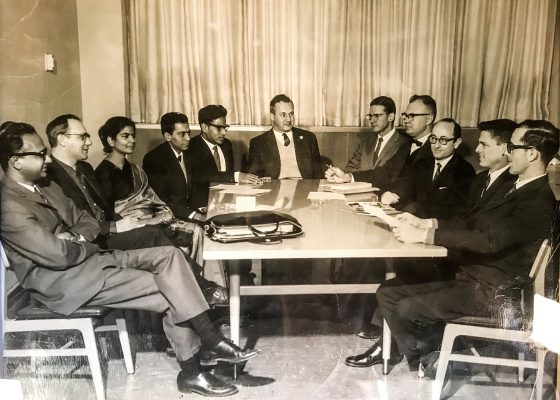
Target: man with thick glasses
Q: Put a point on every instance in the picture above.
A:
(210, 154)
(49, 244)
(285, 152)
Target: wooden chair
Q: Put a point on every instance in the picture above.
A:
(23, 315)
(490, 328)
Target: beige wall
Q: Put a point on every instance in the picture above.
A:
(28, 29)
(104, 75)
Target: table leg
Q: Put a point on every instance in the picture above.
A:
(234, 306)
(389, 274)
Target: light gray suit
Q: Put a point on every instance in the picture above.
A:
(65, 274)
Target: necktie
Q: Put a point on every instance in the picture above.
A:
(513, 189)
(286, 139)
(438, 170)
(89, 194)
(485, 188)
(217, 158)
(41, 194)
(377, 149)
(182, 164)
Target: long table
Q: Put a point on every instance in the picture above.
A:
(331, 230)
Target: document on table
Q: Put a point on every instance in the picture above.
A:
(381, 214)
(245, 190)
(325, 196)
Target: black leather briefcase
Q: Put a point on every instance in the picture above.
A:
(252, 226)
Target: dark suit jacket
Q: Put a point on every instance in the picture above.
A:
(264, 158)
(441, 198)
(166, 177)
(495, 192)
(204, 169)
(499, 240)
(389, 163)
(43, 263)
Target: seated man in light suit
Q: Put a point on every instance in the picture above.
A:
(49, 244)
(384, 150)
(210, 154)
(494, 248)
(168, 170)
(285, 152)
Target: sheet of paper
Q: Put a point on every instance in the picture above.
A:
(223, 186)
(378, 212)
(325, 196)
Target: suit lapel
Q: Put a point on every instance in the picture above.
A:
(271, 148)
(388, 151)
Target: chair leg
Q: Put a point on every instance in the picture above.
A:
(125, 343)
(449, 336)
(540, 373)
(93, 358)
(521, 370)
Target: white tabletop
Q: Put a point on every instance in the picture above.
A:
(328, 231)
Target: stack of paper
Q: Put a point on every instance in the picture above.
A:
(352, 187)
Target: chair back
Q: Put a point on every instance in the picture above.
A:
(538, 269)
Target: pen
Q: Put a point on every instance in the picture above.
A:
(328, 166)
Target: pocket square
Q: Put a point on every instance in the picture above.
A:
(442, 187)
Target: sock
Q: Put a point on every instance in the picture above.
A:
(209, 334)
(190, 367)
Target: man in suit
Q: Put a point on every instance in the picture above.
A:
(70, 144)
(168, 171)
(49, 243)
(495, 248)
(437, 186)
(285, 152)
(418, 119)
(210, 154)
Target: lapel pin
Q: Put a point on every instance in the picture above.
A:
(301, 138)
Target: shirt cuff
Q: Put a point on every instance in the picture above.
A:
(191, 215)
(429, 235)
(112, 227)
(351, 177)
(432, 223)
(236, 176)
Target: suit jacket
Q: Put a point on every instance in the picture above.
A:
(441, 198)
(204, 169)
(264, 157)
(166, 177)
(388, 165)
(61, 274)
(499, 240)
(495, 192)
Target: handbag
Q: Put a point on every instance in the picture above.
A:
(252, 226)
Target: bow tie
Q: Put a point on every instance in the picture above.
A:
(416, 142)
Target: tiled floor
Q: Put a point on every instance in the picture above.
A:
(302, 357)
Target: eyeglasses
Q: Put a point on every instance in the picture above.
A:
(83, 136)
(511, 147)
(43, 154)
(442, 140)
(376, 116)
(219, 127)
(412, 115)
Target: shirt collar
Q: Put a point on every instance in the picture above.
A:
(519, 184)
(28, 187)
(280, 135)
(177, 154)
(444, 161)
(494, 175)
(210, 145)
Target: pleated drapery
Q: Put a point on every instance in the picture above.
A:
(480, 59)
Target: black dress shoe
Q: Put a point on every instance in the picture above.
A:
(226, 351)
(372, 356)
(206, 384)
(370, 331)
(216, 296)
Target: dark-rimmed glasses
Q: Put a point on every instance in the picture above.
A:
(43, 154)
(511, 147)
(442, 140)
(219, 127)
(82, 136)
(413, 115)
(376, 116)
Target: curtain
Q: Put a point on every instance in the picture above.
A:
(479, 59)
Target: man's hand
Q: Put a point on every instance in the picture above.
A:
(249, 178)
(389, 198)
(127, 224)
(408, 234)
(410, 219)
(336, 175)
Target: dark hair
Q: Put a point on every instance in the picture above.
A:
(456, 126)
(543, 136)
(387, 103)
(500, 129)
(11, 139)
(58, 126)
(168, 121)
(111, 129)
(279, 98)
(427, 100)
(210, 113)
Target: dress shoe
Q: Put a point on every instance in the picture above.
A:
(370, 331)
(226, 351)
(216, 296)
(204, 383)
(372, 356)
